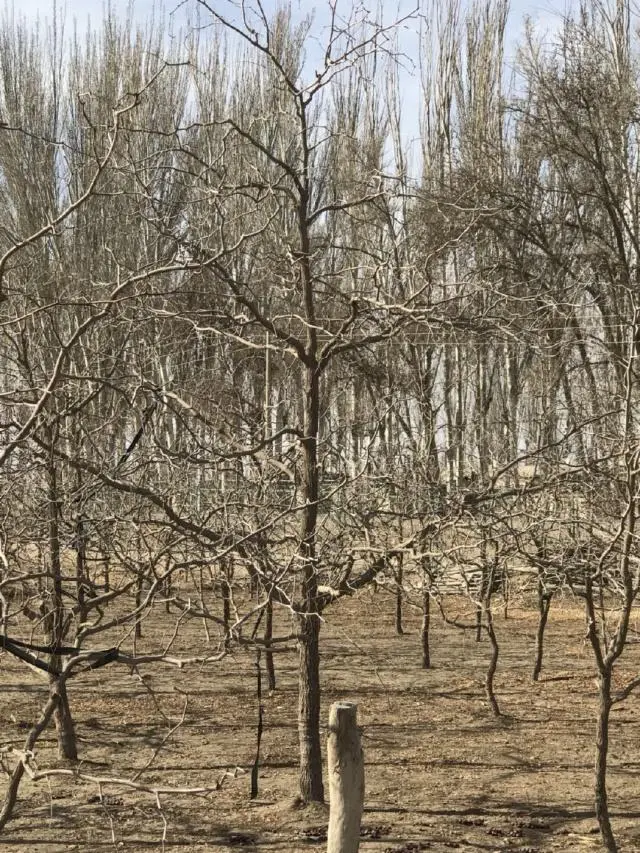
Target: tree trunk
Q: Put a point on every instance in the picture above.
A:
(226, 610)
(602, 750)
(489, 574)
(255, 770)
(399, 591)
(82, 575)
(106, 566)
(81, 568)
(450, 453)
(544, 604)
(493, 663)
(65, 730)
(167, 585)
(138, 628)
(483, 401)
(513, 378)
(460, 417)
(424, 631)
(478, 623)
(268, 636)
(311, 786)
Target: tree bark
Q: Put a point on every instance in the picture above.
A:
(226, 609)
(424, 631)
(489, 574)
(399, 592)
(82, 576)
(106, 566)
(62, 718)
(311, 786)
(65, 730)
(602, 751)
(544, 604)
(138, 627)
(493, 665)
(268, 636)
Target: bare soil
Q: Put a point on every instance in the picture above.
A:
(441, 772)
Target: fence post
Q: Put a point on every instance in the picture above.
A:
(346, 779)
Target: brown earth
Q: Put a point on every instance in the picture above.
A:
(441, 772)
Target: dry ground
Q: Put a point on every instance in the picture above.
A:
(442, 773)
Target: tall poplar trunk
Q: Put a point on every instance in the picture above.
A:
(450, 420)
(460, 418)
(483, 401)
(82, 575)
(513, 398)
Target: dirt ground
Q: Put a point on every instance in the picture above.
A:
(441, 773)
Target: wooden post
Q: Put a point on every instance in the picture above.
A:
(346, 779)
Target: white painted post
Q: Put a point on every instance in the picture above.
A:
(346, 779)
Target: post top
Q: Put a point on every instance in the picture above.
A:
(344, 706)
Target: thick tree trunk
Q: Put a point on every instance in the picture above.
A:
(65, 728)
(311, 786)
(602, 751)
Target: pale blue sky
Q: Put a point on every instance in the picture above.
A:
(545, 12)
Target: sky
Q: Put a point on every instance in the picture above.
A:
(546, 13)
